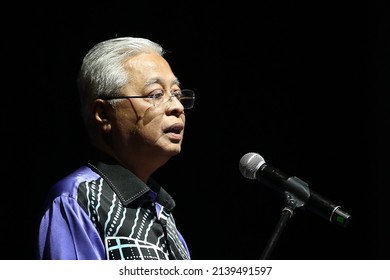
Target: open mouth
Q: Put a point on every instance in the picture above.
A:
(176, 128)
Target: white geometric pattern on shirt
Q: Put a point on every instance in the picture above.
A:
(120, 226)
(133, 249)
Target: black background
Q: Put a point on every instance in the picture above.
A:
(303, 83)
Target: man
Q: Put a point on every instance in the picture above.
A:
(134, 113)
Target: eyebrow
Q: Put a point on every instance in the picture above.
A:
(159, 81)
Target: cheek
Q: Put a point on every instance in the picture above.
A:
(124, 123)
(152, 118)
(150, 127)
(154, 126)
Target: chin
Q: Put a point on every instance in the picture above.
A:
(174, 150)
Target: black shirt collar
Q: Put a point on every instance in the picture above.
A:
(125, 184)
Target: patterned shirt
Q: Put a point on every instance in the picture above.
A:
(103, 211)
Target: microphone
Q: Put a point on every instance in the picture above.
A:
(253, 166)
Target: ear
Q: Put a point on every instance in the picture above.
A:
(101, 111)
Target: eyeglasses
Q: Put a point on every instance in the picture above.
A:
(185, 96)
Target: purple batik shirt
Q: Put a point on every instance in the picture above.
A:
(103, 211)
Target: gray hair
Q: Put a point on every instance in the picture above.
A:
(102, 73)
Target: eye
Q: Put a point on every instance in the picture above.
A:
(157, 94)
(177, 94)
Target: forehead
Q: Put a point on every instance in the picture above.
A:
(147, 61)
(150, 68)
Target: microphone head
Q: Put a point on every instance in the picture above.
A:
(249, 164)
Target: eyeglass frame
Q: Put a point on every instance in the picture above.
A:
(154, 98)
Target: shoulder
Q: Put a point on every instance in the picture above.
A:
(68, 185)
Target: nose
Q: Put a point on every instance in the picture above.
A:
(174, 106)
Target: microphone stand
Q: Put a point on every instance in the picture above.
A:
(287, 213)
